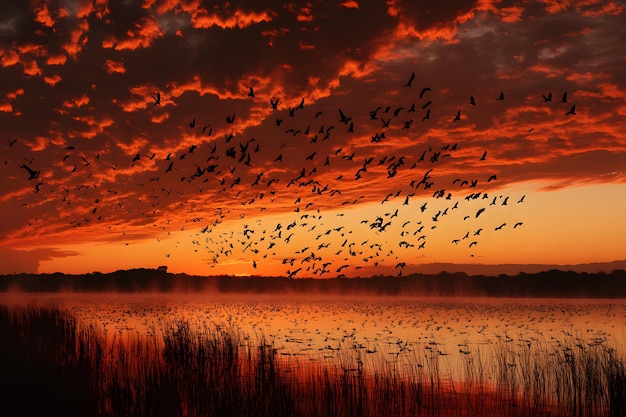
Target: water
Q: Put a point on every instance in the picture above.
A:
(323, 328)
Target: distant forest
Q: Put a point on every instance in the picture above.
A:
(552, 283)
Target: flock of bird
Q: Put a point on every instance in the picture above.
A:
(234, 177)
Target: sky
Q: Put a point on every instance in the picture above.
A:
(310, 139)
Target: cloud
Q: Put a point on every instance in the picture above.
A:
(14, 261)
(82, 82)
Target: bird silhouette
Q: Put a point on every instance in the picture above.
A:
(547, 98)
(251, 93)
(472, 101)
(33, 174)
(411, 78)
(457, 116)
(424, 90)
(500, 97)
(571, 111)
(157, 98)
(564, 98)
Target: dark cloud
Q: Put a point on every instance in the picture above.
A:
(86, 119)
(14, 261)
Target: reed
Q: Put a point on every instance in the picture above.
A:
(180, 370)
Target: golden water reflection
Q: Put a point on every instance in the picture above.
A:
(402, 330)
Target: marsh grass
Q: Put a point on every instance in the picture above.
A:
(52, 362)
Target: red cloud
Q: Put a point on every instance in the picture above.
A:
(111, 67)
(237, 19)
(14, 94)
(76, 102)
(142, 36)
(350, 4)
(42, 15)
(52, 80)
(56, 59)
(75, 44)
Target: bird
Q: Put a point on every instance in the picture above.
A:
(564, 99)
(274, 103)
(472, 101)
(12, 142)
(251, 93)
(424, 90)
(484, 156)
(547, 98)
(500, 97)
(343, 117)
(457, 116)
(571, 111)
(157, 99)
(33, 173)
(408, 83)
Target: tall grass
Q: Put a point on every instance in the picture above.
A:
(179, 370)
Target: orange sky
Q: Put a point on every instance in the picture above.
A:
(360, 169)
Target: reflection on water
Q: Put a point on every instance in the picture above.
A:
(306, 326)
(500, 348)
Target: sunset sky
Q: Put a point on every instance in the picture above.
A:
(146, 147)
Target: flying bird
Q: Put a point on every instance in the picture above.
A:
(547, 98)
(457, 116)
(564, 99)
(571, 111)
(424, 90)
(251, 93)
(472, 101)
(408, 83)
(157, 99)
(33, 173)
(500, 97)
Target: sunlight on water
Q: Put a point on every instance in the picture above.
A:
(318, 328)
(207, 354)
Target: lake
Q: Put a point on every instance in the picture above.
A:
(464, 343)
